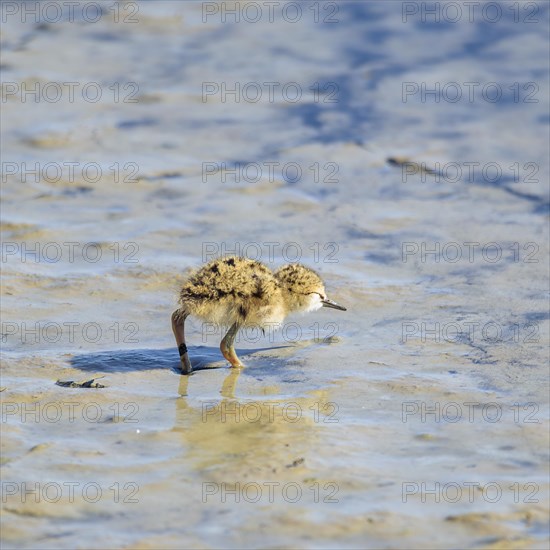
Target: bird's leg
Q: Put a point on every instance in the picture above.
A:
(227, 348)
(230, 383)
(178, 320)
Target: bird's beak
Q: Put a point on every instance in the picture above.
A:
(333, 305)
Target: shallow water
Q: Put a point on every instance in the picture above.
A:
(416, 419)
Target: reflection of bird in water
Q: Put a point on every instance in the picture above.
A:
(238, 292)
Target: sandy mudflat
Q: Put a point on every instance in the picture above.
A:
(416, 419)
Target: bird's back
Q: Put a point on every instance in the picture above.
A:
(233, 289)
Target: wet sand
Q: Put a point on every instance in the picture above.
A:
(416, 419)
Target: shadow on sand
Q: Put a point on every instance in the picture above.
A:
(202, 358)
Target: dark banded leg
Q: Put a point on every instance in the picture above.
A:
(227, 348)
(178, 321)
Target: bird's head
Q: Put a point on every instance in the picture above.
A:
(303, 289)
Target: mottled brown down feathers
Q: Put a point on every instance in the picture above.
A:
(235, 289)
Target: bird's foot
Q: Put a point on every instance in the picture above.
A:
(234, 360)
(186, 370)
(186, 367)
(230, 354)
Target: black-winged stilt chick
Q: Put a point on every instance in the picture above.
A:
(240, 293)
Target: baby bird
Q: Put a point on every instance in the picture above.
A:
(238, 292)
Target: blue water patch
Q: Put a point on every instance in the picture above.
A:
(130, 124)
